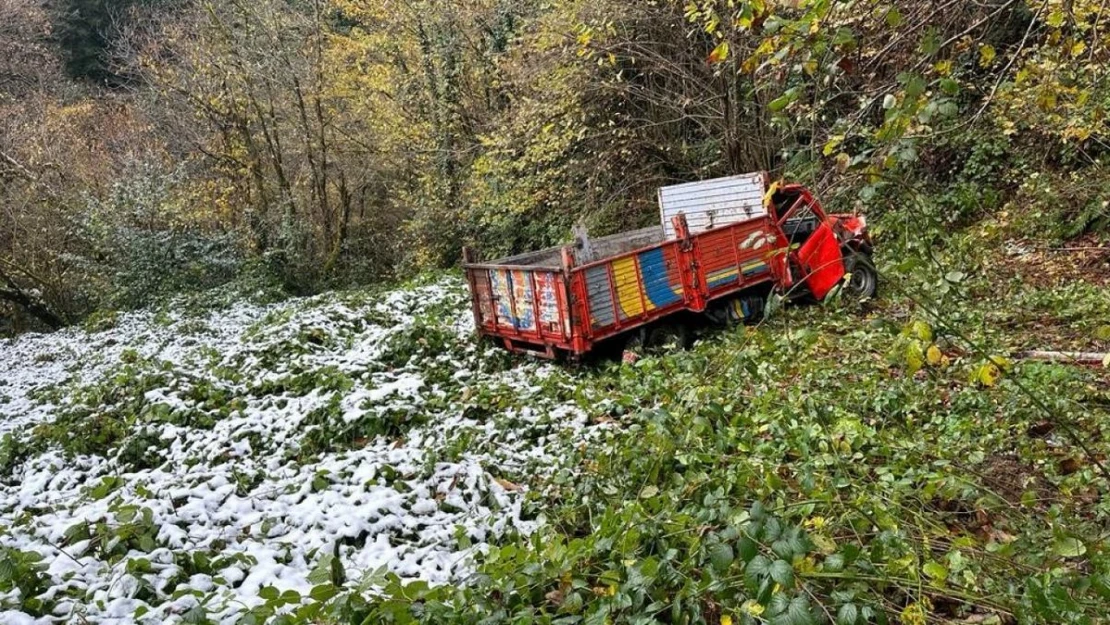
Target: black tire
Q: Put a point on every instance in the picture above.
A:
(863, 281)
(636, 340)
(664, 335)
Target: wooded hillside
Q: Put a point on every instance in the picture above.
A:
(156, 146)
(199, 446)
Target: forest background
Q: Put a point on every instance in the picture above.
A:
(153, 147)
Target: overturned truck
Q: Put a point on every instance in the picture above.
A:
(721, 247)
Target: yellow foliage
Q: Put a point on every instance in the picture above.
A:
(915, 613)
(934, 356)
(986, 55)
(753, 607)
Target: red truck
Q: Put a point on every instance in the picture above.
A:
(723, 245)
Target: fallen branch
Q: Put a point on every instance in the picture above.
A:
(19, 168)
(1087, 358)
(12, 292)
(1078, 249)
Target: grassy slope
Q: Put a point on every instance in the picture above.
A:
(841, 465)
(827, 465)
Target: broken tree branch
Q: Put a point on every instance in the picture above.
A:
(1092, 358)
(19, 168)
(12, 292)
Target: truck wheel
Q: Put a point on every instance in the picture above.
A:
(863, 282)
(669, 334)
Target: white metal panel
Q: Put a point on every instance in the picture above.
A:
(713, 203)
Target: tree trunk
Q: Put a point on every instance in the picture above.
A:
(11, 292)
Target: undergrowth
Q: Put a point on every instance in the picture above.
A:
(890, 462)
(799, 473)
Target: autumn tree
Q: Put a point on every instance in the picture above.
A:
(291, 166)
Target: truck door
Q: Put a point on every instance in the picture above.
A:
(815, 255)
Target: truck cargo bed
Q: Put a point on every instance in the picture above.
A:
(564, 300)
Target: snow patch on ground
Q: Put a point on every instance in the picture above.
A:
(372, 428)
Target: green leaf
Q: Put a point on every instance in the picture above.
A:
(269, 593)
(844, 38)
(757, 569)
(322, 572)
(792, 543)
(748, 549)
(197, 615)
(77, 532)
(935, 571)
(893, 17)
(915, 357)
(721, 556)
(921, 330)
(783, 101)
(7, 569)
(797, 613)
(599, 616)
(757, 512)
(931, 41)
(783, 573)
(291, 596)
(323, 592)
(1068, 547)
(915, 86)
(848, 614)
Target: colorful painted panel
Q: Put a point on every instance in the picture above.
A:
(549, 301)
(502, 297)
(626, 279)
(484, 295)
(662, 279)
(722, 277)
(743, 247)
(728, 274)
(513, 298)
(645, 282)
(522, 296)
(600, 296)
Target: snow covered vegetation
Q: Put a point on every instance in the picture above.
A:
(177, 466)
(359, 458)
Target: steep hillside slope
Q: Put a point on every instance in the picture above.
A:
(360, 458)
(174, 461)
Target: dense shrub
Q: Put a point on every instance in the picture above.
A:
(143, 248)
